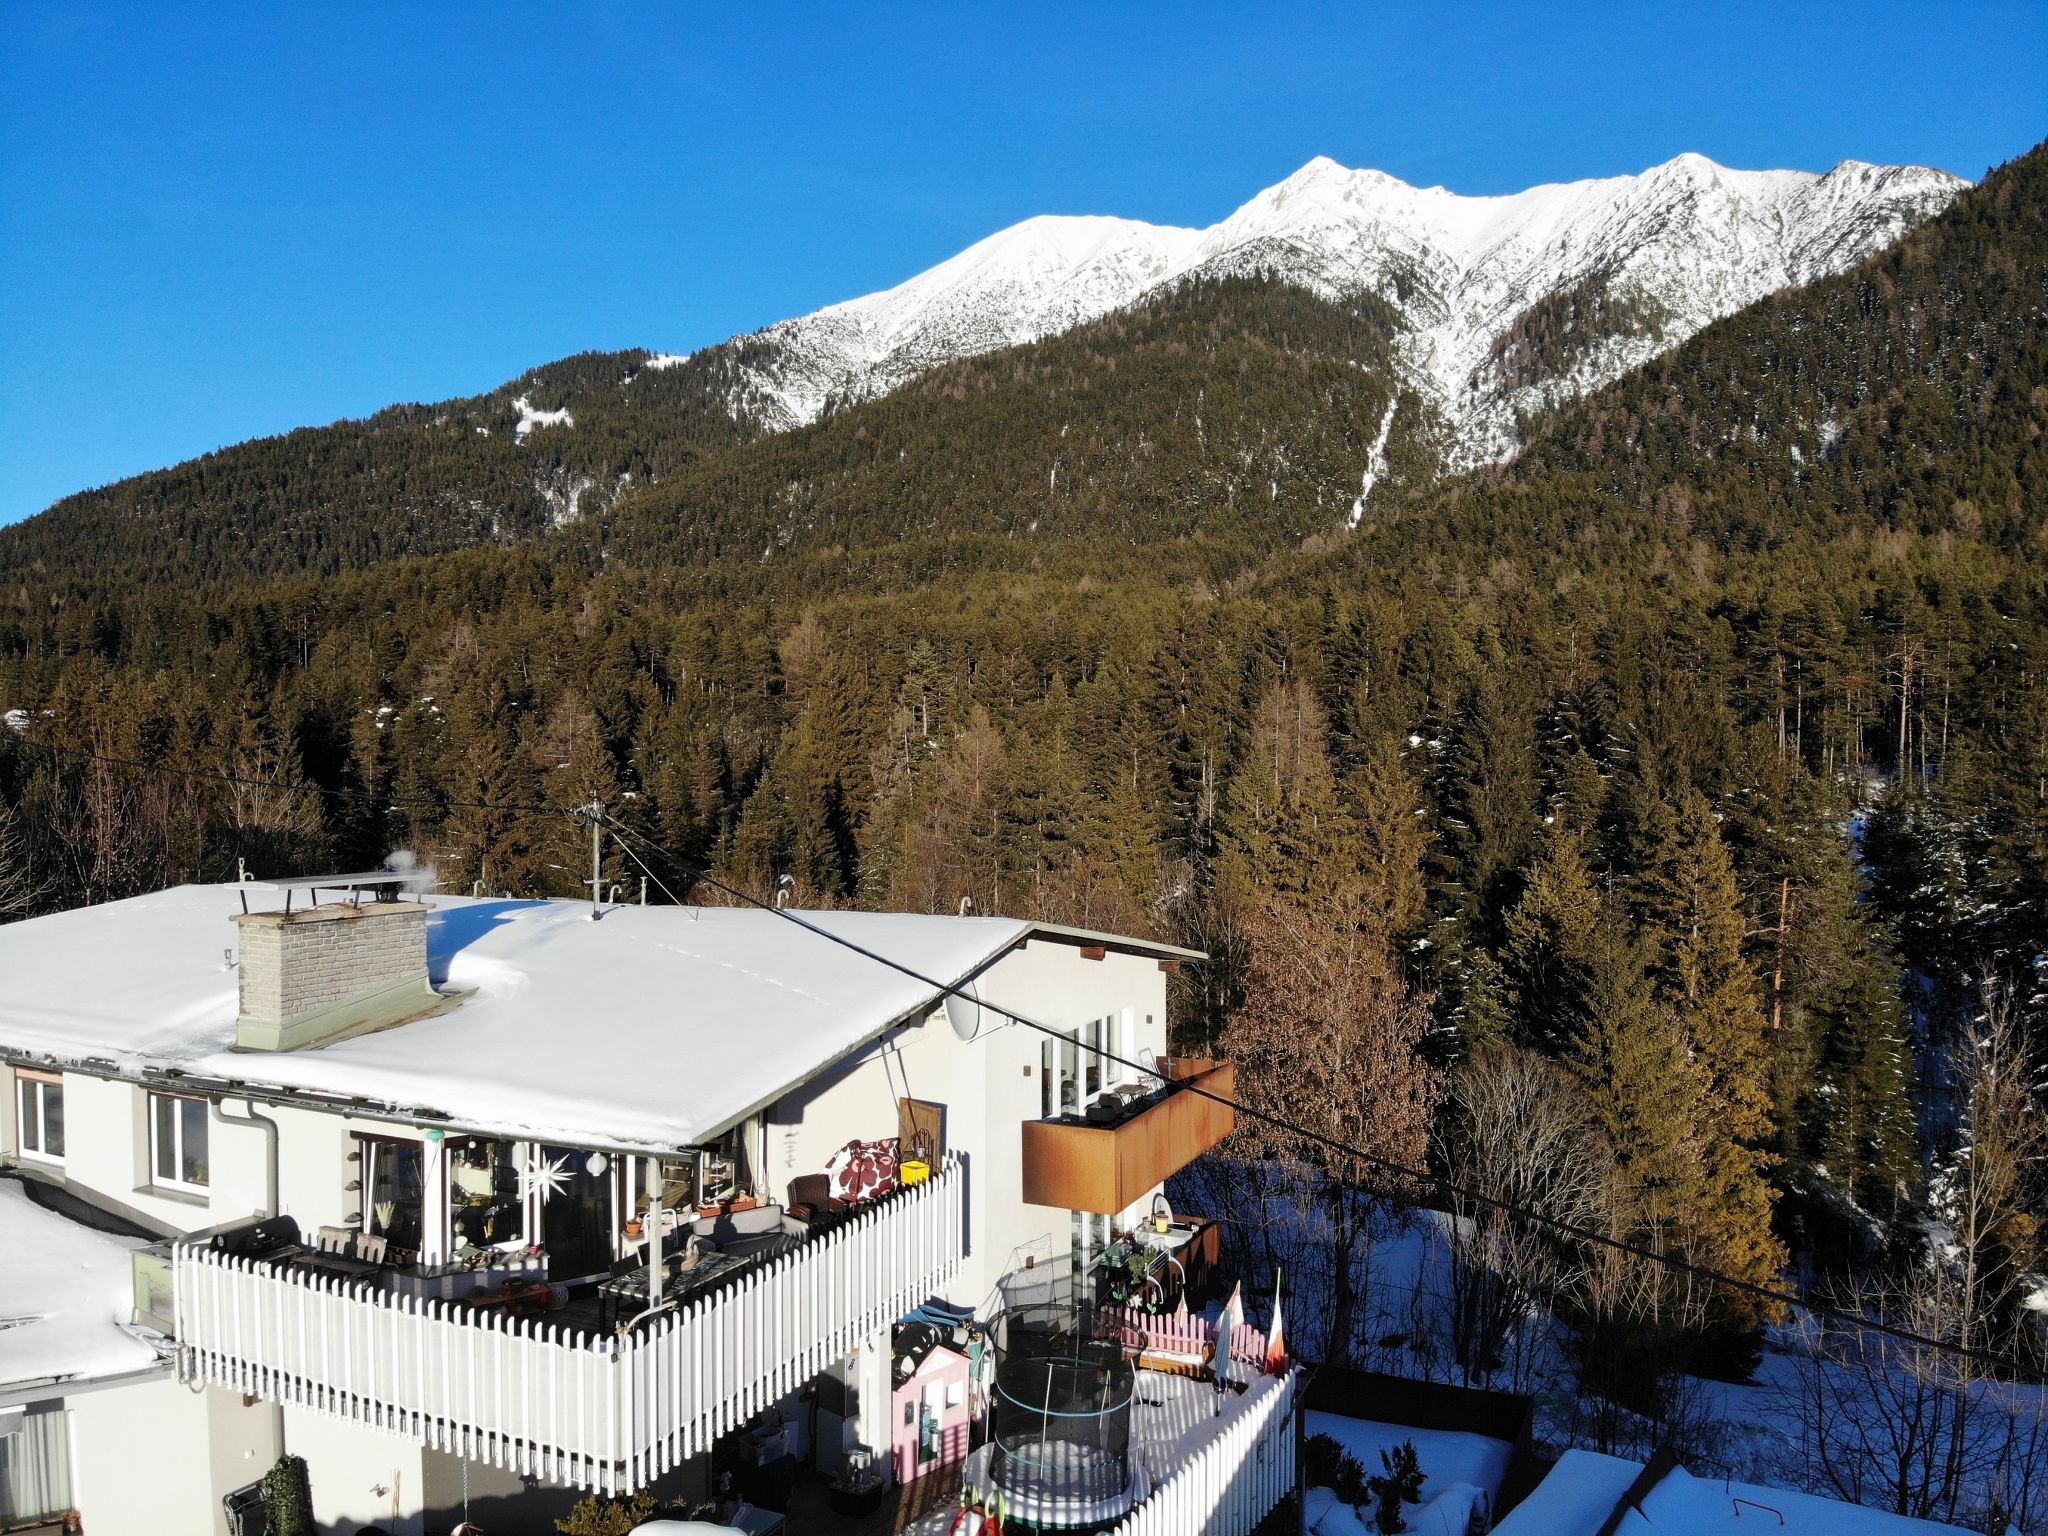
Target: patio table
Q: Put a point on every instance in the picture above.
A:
(627, 1292)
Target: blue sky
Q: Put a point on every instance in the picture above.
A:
(219, 222)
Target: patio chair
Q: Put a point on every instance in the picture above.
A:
(374, 1250)
(336, 1240)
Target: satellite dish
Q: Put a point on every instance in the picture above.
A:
(963, 1012)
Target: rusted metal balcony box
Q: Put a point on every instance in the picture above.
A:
(1109, 1168)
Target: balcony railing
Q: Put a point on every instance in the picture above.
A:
(593, 1411)
(1109, 1168)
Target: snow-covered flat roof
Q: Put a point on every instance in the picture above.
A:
(65, 1291)
(1582, 1490)
(656, 1027)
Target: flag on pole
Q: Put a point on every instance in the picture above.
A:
(1226, 1333)
(1276, 1345)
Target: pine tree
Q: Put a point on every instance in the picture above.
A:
(1285, 831)
(1553, 948)
(1686, 897)
(1646, 1094)
(1387, 808)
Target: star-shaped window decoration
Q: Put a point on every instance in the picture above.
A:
(544, 1176)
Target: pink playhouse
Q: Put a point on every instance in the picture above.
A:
(932, 1412)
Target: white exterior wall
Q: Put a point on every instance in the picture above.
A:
(160, 1458)
(348, 1464)
(990, 1086)
(107, 1151)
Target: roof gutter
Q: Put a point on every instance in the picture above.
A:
(416, 1117)
(42, 1389)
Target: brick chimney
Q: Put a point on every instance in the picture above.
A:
(327, 972)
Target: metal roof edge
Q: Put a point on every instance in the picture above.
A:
(1061, 933)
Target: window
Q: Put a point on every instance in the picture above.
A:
(1077, 1067)
(40, 1100)
(486, 1207)
(1090, 1237)
(1060, 1087)
(177, 1141)
(394, 1175)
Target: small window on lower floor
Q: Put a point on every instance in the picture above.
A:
(177, 1142)
(39, 1099)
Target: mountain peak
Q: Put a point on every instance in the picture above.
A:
(1676, 246)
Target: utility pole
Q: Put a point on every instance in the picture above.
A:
(594, 813)
(1778, 972)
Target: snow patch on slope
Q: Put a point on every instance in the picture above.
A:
(529, 418)
(1686, 242)
(1375, 465)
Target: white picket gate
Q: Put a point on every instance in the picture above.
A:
(549, 1401)
(1235, 1480)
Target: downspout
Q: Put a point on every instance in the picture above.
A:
(274, 1442)
(268, 1126)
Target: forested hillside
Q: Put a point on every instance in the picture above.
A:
(1700, 757)
(410, 480)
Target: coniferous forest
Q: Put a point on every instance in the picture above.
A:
(1675, 797)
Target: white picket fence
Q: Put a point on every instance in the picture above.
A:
(600, 1413)
(1235, 1480)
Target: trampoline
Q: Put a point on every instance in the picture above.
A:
(1060, 1418)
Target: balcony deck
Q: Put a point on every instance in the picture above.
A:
(1106, 1169)
(559, 1396)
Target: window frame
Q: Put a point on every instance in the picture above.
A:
(44, 1083)
(158, 1177)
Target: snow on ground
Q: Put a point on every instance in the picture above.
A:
(65, 1293)
(529, 418)
(16, 720)
(667, 360)
(1459, 1471)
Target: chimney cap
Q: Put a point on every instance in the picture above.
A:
(385, 882)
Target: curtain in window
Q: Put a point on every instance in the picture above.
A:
(35, 1470)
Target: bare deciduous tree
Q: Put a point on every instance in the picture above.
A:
(1521, 1133)
(1330, 1038)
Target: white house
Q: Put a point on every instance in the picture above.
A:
(477, 1117)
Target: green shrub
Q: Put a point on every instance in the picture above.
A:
(1401, 1484)
(597, 1516)
(1331, 1466)
(288, 1498)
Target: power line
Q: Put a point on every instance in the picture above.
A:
(628, 835)
(1672, 1262)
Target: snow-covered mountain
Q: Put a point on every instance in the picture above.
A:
(1512, 303)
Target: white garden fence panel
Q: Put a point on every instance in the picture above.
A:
(1235, 1480)
(554, 1402)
